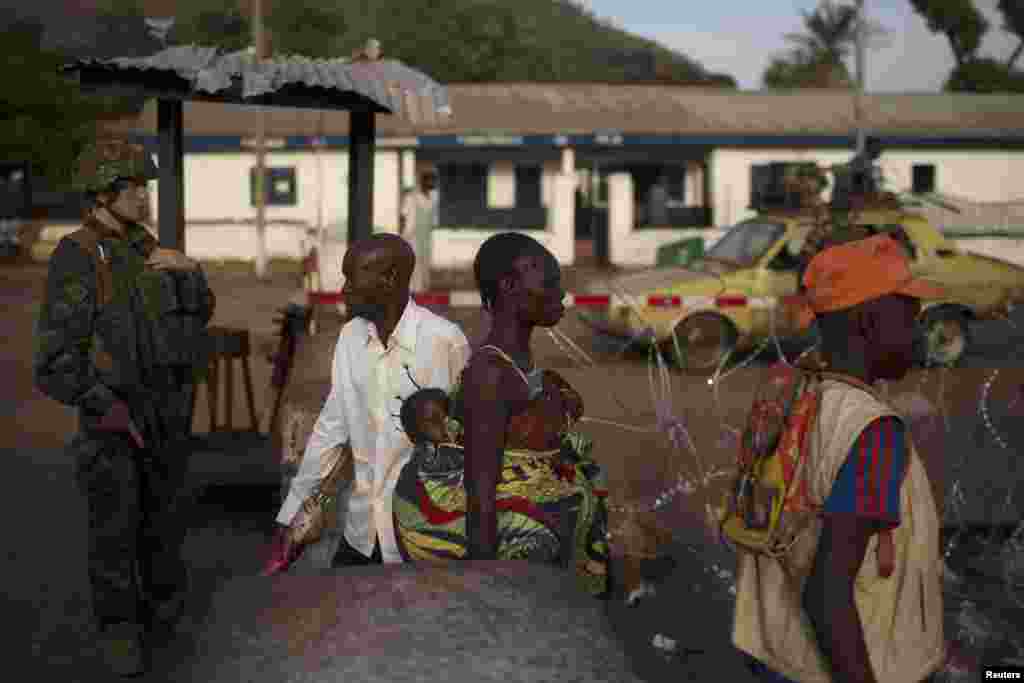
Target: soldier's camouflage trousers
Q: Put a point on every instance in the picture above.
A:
(138, 511)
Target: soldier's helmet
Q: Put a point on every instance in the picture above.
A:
(106, 160)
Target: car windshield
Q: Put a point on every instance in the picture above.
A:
(745, 243)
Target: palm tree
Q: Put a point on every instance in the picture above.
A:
(830, 33)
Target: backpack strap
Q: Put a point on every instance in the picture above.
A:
(89, 241)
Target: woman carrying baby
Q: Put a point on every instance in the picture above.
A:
(498, 472)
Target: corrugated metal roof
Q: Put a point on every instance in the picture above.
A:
(406, 92)
(566, 108)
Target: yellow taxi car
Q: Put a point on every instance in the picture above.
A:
(741, 291)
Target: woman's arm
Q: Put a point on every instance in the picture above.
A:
(486, 414)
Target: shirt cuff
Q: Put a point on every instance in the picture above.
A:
(291, 506)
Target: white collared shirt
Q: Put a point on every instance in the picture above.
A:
(368, 384)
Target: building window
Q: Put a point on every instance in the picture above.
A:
(528, 186)
(660, 192)
(281, 186)
(463, 183)
(923, 178)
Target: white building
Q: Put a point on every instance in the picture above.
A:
(514, 156)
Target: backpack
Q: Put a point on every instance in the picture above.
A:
(768, 507)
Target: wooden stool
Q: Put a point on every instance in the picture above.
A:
(228, 344)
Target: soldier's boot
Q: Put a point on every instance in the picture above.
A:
(123, 648)
(166, 611)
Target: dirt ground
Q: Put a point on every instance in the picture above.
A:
(229, 532)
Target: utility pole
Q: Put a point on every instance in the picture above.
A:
(260, 52)
(861, 77)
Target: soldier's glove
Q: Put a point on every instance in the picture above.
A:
(118, 418)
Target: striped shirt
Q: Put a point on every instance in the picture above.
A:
(868, 484)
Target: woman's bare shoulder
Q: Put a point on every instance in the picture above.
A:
(490, 377)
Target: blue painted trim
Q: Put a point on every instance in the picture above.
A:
(199, 144)
(438, 141)
(306, 142)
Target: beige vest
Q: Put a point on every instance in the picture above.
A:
(901, 615)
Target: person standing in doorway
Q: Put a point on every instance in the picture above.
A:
(416, 224)
(657, 203)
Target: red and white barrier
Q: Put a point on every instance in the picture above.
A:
(471, 299)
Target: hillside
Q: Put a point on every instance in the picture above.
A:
(561, 41)
(453, 40)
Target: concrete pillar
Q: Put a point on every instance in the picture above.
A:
(569, 162)
(561, 224)
(694, 190)
(549, 170)
(501, 185)
(171, 210)
(620, 214)
(408, 169)
(698, 184)
(361, 158)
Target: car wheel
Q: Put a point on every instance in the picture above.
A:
(703, 340)
(946, 337)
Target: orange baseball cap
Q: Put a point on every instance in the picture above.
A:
(849, 274)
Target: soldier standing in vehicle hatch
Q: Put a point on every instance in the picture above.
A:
(121, 336)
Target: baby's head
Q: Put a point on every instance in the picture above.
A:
(424, 416)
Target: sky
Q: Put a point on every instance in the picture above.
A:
(739, 37)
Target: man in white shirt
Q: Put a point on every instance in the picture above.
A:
(417, 221)
(390, 346)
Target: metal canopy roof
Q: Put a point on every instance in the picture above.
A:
(208, 73)
(364, 87)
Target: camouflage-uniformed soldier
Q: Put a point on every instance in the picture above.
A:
(121, 336)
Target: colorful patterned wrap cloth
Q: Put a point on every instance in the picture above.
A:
(550, 501)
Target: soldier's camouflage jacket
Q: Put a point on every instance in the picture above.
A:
(112, 328)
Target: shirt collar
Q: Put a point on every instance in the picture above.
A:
(101, 229)
(404, 333)
(134, 234)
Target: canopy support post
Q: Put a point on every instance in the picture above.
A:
(361, 153)
(171, 212)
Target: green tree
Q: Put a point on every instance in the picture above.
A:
(452, 40)
(965, 27)
(984, 75)
(226, 28)
(799, 70)
(818, 56)
(46, 120)
(305, 27)
(1013, 22)
(829, 33)
(959, 20)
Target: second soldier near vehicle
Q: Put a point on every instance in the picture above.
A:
(121, 336)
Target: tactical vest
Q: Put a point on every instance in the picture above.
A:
(171, 331)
